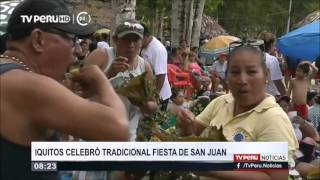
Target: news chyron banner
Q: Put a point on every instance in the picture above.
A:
(193, 156)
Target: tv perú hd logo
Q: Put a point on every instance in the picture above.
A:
(82, 18)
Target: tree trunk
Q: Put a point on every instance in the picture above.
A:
(184, 17)
(190, 22)
(197, 24)
(160, 33)
(156, 23)
(175, 25)
(153, 24)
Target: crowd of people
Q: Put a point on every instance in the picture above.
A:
(35, 104)
(39, 102)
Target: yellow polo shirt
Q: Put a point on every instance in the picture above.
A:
(266, 122)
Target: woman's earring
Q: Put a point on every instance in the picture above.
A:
(267, 81)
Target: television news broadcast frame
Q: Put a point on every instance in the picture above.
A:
(186, 156)
(193, 156)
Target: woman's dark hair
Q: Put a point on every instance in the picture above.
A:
(193, 54)
(269, 39)
(175, 92)
(311, 95)
(93, 46)
(195, 49)
(174, 51)
(104, 36)
(146, 31)
(249, 48)
(97, 37)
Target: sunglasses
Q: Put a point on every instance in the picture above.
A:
(63, 34)
(257, 43)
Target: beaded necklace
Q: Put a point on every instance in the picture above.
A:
(16, 60)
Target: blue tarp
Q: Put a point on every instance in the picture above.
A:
(302, 43)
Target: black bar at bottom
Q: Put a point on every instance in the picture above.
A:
(145, 165)
(186, 166)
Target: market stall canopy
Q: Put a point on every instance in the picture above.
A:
(302, 43)
(219, 42)
(103, 30)
(214, 47)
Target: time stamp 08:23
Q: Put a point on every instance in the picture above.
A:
(43, 166)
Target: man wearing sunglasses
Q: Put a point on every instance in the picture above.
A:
(34, 105)
(72, 38)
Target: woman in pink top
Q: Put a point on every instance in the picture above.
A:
(191, 65)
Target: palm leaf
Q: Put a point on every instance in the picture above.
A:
(138, 90)
(209, 134)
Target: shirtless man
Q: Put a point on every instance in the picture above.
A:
(34, 102)
(299, 87)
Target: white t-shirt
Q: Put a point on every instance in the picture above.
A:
(156, 54)
(102, 44)
(275, 74)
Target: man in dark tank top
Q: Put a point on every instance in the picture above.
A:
(34, 104)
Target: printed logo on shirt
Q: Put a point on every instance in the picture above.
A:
(240, 135)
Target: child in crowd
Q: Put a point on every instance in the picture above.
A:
(299, 87)
(284, 102)
(311, 99)
(314, 113)
(307, 137)
(178, 99)
(302, 127)
(178, 102)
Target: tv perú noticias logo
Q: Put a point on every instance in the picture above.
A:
(82, 18)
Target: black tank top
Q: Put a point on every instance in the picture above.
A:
(15, 160)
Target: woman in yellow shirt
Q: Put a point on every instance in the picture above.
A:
(247, 114)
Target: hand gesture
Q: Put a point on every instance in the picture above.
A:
(185, 121)
(120, 64)
(149, 107)
(86, 81)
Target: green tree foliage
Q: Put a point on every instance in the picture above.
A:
(242, 17)
(301, 8)
(211, 7)
(145, 9)
(249, 17)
